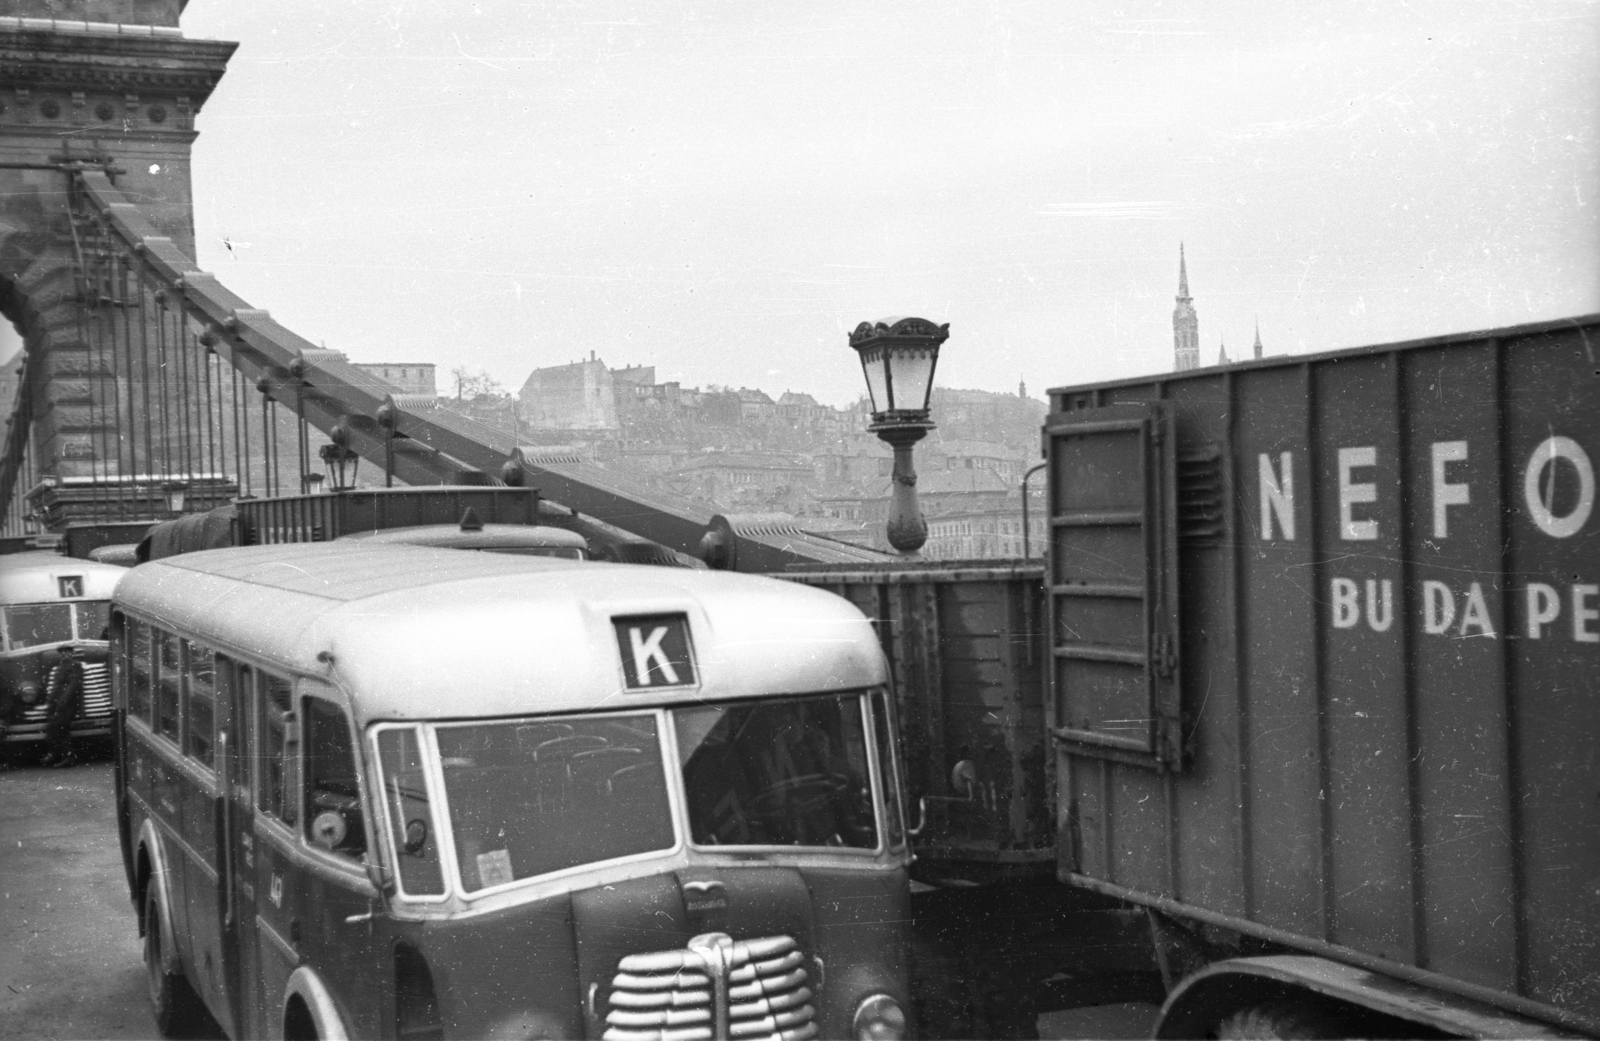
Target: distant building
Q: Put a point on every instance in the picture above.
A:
(409, 377)
(577, 396)
(743, 479)
(852, 462)
(1185, 323)
(958, 454)
(803, 412)
(961, 491)
(976, 536)
(756, 406)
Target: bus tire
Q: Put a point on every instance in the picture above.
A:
(174, 1005)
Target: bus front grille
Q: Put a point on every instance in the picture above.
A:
(96, 691)
(674, 995)
(94, 700)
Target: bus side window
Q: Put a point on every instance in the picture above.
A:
(279, 747)
(234, 690)
(333, 796)
(138, 639)
(169, 683)
(200, 711)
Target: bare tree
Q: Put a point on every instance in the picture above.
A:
(470, 385)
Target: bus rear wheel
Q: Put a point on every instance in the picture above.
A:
(173, 1003)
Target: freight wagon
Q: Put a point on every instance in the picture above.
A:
(1324, 635)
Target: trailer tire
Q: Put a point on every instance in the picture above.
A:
(1288, 1019)
(174, 1005)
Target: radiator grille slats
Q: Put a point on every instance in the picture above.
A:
(94, 701)
(96, 691)
(671, 995)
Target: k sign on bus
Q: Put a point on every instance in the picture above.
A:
(655, 651)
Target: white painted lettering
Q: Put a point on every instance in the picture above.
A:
(647, 654)
(1476, 614)
(1346, 603)
(1544, 605)
(1541, 505)
(1352, 493)
(1438, 607)
(1380, 619)
(1277, 495)
(1583, 614)
(1446, 494)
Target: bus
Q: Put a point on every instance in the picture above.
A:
(52, 606)
(406, 792)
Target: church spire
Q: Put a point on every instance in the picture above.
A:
(1185, 323)
(1222, 352)
(1257, 347)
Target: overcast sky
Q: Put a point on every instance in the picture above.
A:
(724, 190)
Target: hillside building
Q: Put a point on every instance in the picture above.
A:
(408, 377)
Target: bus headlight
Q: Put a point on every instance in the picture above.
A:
(28, 693)
(879, 1018)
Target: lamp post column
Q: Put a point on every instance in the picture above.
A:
(906, 529)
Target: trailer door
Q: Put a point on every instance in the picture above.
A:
(1113, 583)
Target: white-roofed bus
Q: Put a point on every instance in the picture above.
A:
(377, 791)
(51, 606)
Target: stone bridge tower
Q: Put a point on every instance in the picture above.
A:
(113, 84)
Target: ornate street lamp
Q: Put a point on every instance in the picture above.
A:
(898, 356)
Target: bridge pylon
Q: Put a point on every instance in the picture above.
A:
(91, 85)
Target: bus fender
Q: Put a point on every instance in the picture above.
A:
(308, 987)
(1201, 1000)
(160, 878)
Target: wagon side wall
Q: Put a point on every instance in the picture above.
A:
(1390, 664)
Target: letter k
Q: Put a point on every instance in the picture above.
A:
(648, 654)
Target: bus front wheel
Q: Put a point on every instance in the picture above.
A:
(173, 1002)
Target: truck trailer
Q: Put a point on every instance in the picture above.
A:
(1325, 645)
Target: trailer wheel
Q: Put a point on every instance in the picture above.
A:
(173, 1003)
(1289, 1019)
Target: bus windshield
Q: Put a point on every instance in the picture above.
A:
(789, 772)
(529, 797)
(29, 625)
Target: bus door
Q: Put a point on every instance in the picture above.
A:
(349, 947)
(236, 741)
(314, 904)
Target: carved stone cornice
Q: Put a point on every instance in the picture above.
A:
(38, 60)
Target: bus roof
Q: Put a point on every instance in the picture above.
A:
(420, 633)
(42, 577)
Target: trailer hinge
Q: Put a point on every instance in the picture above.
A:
(1165, 661)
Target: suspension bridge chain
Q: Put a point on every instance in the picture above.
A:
(183, 381)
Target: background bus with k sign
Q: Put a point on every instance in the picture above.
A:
(404, 792)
